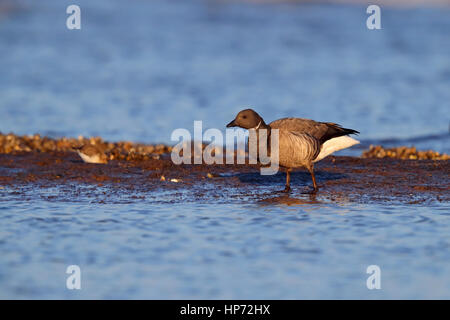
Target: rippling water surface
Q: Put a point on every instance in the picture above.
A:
(144, 250)
(139, 69)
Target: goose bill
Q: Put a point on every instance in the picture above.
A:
(231, 124)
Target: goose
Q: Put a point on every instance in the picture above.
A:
(302, 142)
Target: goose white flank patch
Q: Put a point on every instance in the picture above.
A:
(92, 154)
(302, 142)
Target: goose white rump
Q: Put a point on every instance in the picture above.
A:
(335, 144)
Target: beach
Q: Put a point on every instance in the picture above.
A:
(138, 171)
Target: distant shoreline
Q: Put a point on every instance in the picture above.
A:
(128, 150)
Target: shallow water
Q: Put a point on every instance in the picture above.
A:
(139, 69)
(145, 250)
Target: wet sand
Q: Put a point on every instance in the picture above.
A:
(62, 176)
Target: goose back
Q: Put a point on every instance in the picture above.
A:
(322, 131)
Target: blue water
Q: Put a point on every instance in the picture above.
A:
(204, 250)
(139, 69)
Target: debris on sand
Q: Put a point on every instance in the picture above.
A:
(30, 162)
(404, 153)
(124, 150)
(129, 151)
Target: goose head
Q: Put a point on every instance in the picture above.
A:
(247, 119)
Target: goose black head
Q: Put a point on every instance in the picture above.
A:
(247, 119)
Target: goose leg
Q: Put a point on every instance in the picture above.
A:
(311, 171)
(288, 180)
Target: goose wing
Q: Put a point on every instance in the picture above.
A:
(322, 131)
(297, 148)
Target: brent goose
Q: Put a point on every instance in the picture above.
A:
(302, 142)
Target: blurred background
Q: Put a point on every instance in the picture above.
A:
(139, 69)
